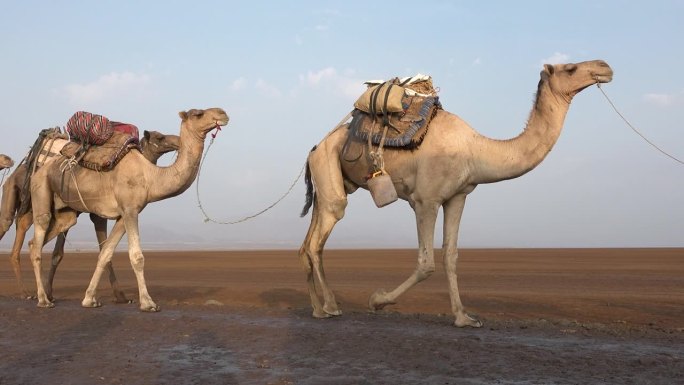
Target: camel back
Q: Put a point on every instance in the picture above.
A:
(98, 143)
(408, 124)
(106, 156)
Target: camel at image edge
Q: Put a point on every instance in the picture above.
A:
(5, 162)
(153, 145)
(452, 160)
(120, 194)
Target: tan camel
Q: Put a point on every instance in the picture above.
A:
(153, 144)
(452, 160)
(120, 194)
(5, 162)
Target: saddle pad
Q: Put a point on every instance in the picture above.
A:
(106, 156)
(126, 128)
(406, 130)
(89, 128)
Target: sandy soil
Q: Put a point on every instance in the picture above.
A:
(552, 316)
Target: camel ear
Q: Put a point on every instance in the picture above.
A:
(547, 72)
(183, 115)
(146, 134)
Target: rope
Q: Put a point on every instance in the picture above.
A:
(69, 163)
(4, 174)
(209, 219)
(634, 129)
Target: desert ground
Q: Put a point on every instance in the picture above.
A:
(551, 316)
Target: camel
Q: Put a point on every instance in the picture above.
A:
(5, 162)
(153, 145)
(120, 194)
(452, 160)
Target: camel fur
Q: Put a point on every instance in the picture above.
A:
(452, 160)
(153, 145)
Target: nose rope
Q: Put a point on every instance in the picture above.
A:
(207, 218)
(598, 84)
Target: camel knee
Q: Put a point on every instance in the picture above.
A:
(305, 260)
(424, 271)
(137, 260)
(5, 224)
(42, 220)
(337, 207)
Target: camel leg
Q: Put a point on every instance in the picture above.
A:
(426, 216)
(138, 261)
(329, 206)
(101, 234)
(453, 209)
(308, 268)
(57, 255)
(22, 225)
(63, 221)
(106, 253)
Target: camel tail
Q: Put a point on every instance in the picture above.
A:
(309, 188)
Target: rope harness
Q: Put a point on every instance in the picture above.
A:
(634, 129)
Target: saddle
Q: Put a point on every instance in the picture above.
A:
(408, 125)
(89, 147)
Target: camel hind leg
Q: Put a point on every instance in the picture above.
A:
(329, 206)
(22, 225)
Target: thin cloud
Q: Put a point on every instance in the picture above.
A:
(663, 100)
(267, 89)
(330, 79)
(110, 86)
(556, 58)
(239, 84)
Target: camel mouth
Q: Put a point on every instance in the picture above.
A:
(222, 122)
(603, 78)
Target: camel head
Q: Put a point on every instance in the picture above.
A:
(203, 121)
(5, 162)
(566, 80)
(159, 142)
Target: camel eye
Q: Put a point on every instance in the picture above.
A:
(570, 68)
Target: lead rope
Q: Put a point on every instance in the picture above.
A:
(69, 163)
(207, 218)
(634, 129)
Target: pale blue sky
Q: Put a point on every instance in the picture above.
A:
(287, 72)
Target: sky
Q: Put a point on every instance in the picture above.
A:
(287, 72)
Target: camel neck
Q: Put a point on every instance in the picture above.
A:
(507, 159)
(177, 177)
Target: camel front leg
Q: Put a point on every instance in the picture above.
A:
(22, 225)
(100, 225)
(41, 223)
(105, 257)
(426, 216)
(138, 261)
(453, 209)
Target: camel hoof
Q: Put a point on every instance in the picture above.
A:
(124, 301)
(332, 311)
(320, 314)
(90, 304)
(467, 321)
(378, 301)
(150, 309)
(45, 304)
